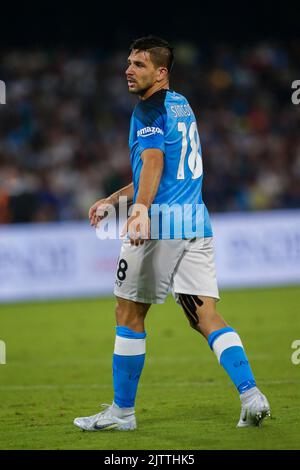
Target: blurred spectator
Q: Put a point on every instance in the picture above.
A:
(64, 130)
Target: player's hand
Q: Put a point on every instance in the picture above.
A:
(137, 225)
(99, 211)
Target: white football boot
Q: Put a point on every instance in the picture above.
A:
(255, 408)
(107, 420)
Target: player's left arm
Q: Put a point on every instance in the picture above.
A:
(138, 224)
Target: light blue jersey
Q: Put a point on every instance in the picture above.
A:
(166, 121)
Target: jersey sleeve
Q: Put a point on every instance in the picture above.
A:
(150, 127)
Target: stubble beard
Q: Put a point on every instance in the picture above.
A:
(140, 91)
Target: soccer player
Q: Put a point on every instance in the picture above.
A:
(167, 171)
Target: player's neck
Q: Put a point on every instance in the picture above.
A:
(156, 87)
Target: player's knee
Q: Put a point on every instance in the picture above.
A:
(118, 311)
(123, 316)
(190, 304)
(129, 317)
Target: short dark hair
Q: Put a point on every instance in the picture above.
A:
(161, 52)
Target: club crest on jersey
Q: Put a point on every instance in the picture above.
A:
(147, 131)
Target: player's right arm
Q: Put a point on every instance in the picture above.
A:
(113, 199)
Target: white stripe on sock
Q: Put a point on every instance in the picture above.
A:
(129, 346)
(225, 341)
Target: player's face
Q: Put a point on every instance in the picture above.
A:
(141, 73)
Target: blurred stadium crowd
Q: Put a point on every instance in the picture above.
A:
(64, 129)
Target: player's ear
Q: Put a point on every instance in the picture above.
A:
(162, 73)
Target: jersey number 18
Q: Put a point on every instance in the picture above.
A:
(194, 158)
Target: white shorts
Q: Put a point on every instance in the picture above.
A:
(147, 272)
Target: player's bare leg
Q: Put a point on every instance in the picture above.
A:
(131, 314)
(226, 343)
(201, 313)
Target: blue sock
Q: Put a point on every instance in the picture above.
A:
(128, 362)
(229, 350)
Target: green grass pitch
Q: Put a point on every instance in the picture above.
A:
(59, 367)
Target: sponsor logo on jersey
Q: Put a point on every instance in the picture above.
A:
(147, 131)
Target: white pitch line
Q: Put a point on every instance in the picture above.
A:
(97, 386)
(150, 360)
(144, 385)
